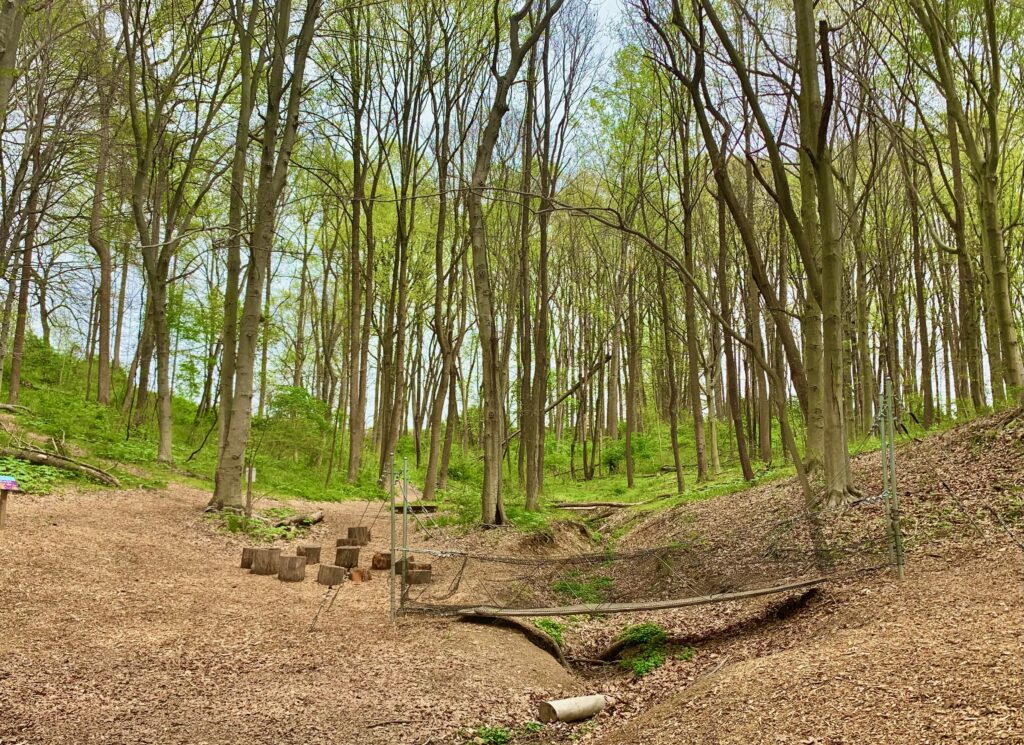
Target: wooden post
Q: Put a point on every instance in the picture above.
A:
(3, 508)
(394, 553)
(292, 568)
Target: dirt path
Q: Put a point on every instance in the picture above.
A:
(124, 619)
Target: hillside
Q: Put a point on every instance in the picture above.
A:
(129, 621)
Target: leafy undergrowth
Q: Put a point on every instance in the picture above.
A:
(260, 527)
(30, 478)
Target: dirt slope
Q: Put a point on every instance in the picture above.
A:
(937, 658)
(124, 619)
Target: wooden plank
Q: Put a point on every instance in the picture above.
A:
(595, 609)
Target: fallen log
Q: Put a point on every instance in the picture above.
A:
(571, 709)
(311, 518)
(595, 505)
(43, 458)
(597, 609)
(15, 409)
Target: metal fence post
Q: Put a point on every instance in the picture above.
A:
(394, 550)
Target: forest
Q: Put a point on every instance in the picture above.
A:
(525, 258)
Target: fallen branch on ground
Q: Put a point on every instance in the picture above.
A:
(311, 518)
(595, 505)
(15, 409)
(43, 458)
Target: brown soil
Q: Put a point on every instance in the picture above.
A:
(126, 619)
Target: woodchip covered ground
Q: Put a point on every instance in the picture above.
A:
(124, 618)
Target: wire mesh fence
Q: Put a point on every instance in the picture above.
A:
(770, 549)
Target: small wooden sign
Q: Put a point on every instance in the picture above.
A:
(8, 484)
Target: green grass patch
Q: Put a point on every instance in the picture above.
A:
(576, 586)
(552, 628)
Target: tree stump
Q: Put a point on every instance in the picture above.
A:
(312, 553)
(343, 542)
(331, 575)
(247, 553)
(292, 568)
(418, 576)
(401, 564)
(346, 556)
(381, 560)
(358, 575)
(359, 535)
(265, 560)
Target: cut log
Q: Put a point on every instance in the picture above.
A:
(346, 556)
(400, 565)
(265, 560)
(571, 709)
(331, 575)
(417, 576)
(312, 553)
(359, 535)
(306, 520)
(247, 553)
(343, 542)
(358, 575)
(291, 568)
(3, 508)
(381, 560)
(42, 458)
